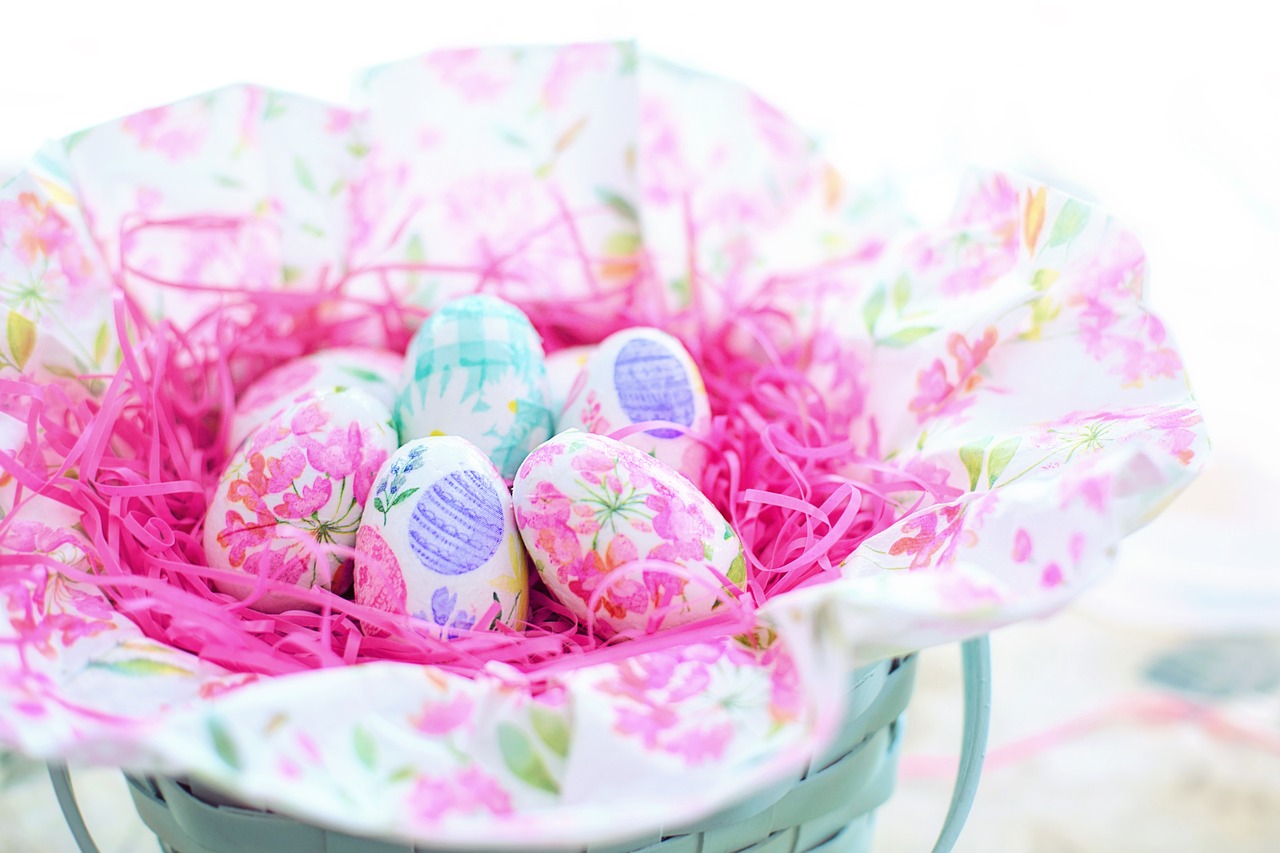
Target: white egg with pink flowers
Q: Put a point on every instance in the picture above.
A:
(295, 488)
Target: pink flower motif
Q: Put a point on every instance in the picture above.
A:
(371, 461)
(340, 453)
(1051, 576)
(594, 465)
(652, 687)
(159, 129)
(994, 201)
(1021, 546)
(239, 536)
(1094, 491)
(593, 420)
(467, 72)
(438, 718)
(35, 537)
(548, 513)
(544, 454)
(938, 395)
(279, 473)
(310, 500)
(467, 792)
(1075, 546)
(571, 63)
(338, 120)
(702, 743)
(42, 232)
(623, 595)
(928, 539)
(308, 420)
(935, 479)
(379, 580)
(683, 530)
(278, 384)
(41, 229)
(278, 565)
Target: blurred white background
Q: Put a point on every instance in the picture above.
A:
(1166, 113)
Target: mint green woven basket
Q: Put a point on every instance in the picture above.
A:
(830, 808)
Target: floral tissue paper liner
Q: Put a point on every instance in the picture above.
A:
(1007, 354)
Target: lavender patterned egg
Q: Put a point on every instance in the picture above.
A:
(374, 371)
(475, 369)
(564, 370)
(438, 540)
(638, 375)
(589, 508)
(298, 481)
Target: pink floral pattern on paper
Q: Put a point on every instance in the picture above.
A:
(468, 791)
(689, 701)
(58, 612)
(171, 135)
(944, 391)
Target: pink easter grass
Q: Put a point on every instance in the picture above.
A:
(138, 459)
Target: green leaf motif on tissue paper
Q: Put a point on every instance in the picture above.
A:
(140, 667)
(551, 728)
(620, 205)
(304, 175)
(1043, 279)
(872, 309)
(1070, 222)
(901, 293)
(523, 761)
(101, 342)
(908, 336)
(971, 457)
(366, 748)
(22, 338)
(223, 744)
(1001, 455)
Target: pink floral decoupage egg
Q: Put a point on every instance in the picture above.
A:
(588, 506)
(374, 371)
(439, 542)
(298, 480)
(638, 375)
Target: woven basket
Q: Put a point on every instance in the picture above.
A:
(830, 808)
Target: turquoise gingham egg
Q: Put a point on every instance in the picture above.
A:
(476, 369)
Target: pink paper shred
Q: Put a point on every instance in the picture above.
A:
(139, 456)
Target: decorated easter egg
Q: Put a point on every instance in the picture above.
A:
(475, 369)
(639, 375)
(374, 371)
(438, 540)
(298, 482)
(590, 508)
(565, 367)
